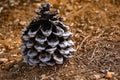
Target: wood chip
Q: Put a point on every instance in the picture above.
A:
(22, 23)
(3, 59)
(109, 75)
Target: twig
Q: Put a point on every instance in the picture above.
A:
(93, 52)
(83, 42)
(100, 34)
(74, 12)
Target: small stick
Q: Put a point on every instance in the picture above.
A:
(73, 13)
(83, 42)
(93, 52)
(92, 55)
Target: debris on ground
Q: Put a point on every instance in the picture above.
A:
(96, 28)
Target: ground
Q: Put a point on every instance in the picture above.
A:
(96, 28)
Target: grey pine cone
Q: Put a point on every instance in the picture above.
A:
(46, 39)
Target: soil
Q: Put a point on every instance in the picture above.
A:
(96, 28)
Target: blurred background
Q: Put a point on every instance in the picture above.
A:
(96, 28)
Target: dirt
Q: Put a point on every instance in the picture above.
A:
(96, 28)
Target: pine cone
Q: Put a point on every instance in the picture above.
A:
(46, 39)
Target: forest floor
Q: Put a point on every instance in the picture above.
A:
(96, 28)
